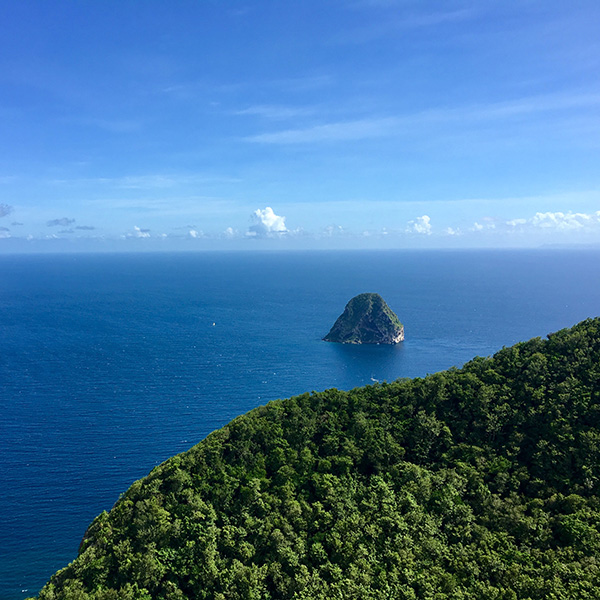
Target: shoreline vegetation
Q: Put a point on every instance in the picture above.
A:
(479, 482)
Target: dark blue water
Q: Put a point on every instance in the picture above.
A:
(109, 364)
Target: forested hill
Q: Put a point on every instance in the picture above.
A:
(474, 483)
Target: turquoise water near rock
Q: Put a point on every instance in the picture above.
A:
(109, 364)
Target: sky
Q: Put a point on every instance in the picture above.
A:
(281, 124)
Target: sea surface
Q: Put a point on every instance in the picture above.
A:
(110, 364)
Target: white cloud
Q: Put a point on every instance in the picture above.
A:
(151, 181)
(230, 232)
(453, 231)
(139, 232)
(392, 25)
(486, 223)
(193, 233)
(558, 221)
(421, 225)
(113, 125)
(407, 124)
(332, 230)
(331, 132)
(275, 112)
(266, 223)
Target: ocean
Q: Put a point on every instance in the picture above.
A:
(111, 363)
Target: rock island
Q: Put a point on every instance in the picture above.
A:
(367, 319)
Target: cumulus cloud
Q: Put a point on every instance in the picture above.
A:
(141, 233)
(420, 225)
(5, 209)
(62, 222)
(266, 223)
(333, 230)
(194, 233)
(453, 231)
(557, 221)
(230, 232)
(138, 232)
(485, 224)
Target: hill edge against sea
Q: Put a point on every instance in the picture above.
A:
(475, 482)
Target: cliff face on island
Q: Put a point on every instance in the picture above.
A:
(367, 319)
(479, 482)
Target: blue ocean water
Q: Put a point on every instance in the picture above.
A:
(109, 364)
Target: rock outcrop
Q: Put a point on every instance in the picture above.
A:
(367, 319)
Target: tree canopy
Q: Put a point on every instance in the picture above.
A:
(479, 482)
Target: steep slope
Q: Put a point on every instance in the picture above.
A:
(367, 319)
(480, 482)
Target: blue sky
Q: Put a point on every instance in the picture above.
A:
(304, 124)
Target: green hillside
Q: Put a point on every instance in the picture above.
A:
(474, 483)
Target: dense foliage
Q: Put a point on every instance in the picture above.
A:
(480, 482)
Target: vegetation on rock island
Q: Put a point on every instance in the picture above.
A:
(479, 482)
(367, 319)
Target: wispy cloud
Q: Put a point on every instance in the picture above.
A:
(534, 104)
(5, 209)
(138, 182)
(397, 125)
(146, 181)
(275, 112)
(62, 222)
(111, 125)
(199, 91)
(330, 132)
(392, 24)
(307, 83)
